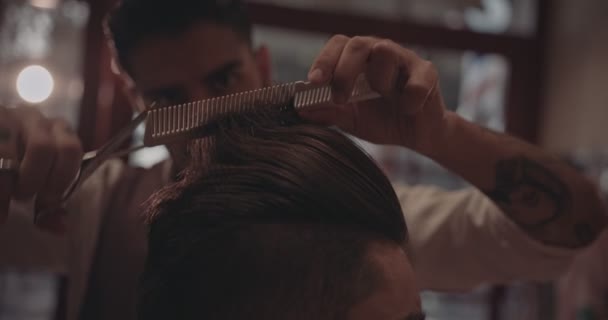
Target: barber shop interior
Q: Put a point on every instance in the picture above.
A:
(303, 159)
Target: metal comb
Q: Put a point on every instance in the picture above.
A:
(177, 122)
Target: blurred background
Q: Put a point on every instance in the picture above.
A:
(534, 68)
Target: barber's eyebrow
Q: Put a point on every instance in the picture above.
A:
(172, 94)
(415, 316)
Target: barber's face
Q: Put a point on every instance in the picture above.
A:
(207, 60)
(396, 298)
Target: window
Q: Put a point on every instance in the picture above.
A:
(517, 17)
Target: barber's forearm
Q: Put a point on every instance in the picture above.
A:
(547, 198)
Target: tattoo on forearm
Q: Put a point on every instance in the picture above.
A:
(529, 193)
(5, 135)
(539, 201)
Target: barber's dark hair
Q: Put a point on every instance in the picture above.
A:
(275, 224)
(135, 20)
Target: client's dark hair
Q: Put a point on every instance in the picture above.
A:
(135, 20)
(276, 224)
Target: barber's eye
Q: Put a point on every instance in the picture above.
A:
(222, 83)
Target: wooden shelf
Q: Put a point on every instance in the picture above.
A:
(401, 31)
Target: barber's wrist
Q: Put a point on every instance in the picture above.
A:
(438, 141)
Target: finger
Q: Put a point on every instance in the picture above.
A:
(385, 67)
(66, 165)
(8, 151)
(323, 67)
(422, 85)
(415, 84)
(38, 159)
(352, 63)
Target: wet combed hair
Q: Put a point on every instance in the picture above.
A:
(276, 224)
(135, 20)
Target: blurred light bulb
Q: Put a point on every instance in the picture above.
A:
(35, 84)
(44, 4)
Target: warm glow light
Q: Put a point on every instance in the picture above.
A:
(35, 84)
(44, 4)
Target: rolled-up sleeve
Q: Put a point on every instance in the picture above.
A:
(460, 240)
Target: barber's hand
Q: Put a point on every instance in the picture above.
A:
(411, 113)
(49, 154)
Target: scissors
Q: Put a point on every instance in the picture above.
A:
(166, 124)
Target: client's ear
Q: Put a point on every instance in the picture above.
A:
(263, 61)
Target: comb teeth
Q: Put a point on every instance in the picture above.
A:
(309, 97)
(166, 124)
(312, 97)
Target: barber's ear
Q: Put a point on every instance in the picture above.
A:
(263, 61)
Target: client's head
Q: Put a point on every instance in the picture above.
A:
(279, 223)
